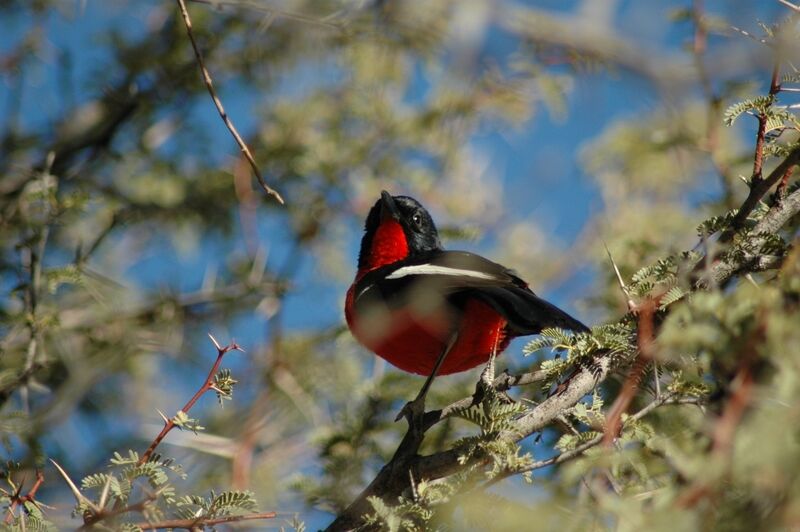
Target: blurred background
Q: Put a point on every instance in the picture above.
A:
(130, 227)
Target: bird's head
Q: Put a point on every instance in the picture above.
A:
(397, 227)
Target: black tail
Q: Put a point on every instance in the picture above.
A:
(526, 312)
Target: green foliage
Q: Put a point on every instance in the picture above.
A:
(715, 224)
(662, 276)
(183, 421)
(33, 521)
(759, 104)
(223, 504)
(223, 385)
(616, 339)
(494, 415)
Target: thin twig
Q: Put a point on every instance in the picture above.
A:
(218, 104)
(208, 384)
(758, 159)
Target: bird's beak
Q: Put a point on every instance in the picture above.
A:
(389, 208)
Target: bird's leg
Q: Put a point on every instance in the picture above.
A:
(487, 375)
(486, 379)
(415, 410)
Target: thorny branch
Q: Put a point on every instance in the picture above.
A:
(18, 499)
(218, 104)
(758, 158)
(208, 384)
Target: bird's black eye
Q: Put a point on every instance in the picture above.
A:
(417, 220)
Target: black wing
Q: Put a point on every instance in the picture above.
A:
(454, 275)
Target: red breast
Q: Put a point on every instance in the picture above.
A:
(412, 341)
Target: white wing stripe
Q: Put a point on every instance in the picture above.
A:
(430, 269)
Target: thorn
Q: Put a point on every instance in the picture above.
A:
(657, 379)
(48, 164)
(628, 300)
(104, 494)
(214, 341)
(414, 492)
(75, 491)
(236, 347)
(40, 505)
(212, 387)
(165, 418)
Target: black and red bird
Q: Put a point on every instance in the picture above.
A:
(416, 304)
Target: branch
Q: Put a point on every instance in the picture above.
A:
(17, 498)
(777, 217)
(790, 5)
(393, 478)
(758, 158)
(759, 186)
(218, 104)
(194, 524)
(580, 449)
(502, 383)
(169, 424)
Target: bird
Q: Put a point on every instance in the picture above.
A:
(431, 311)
